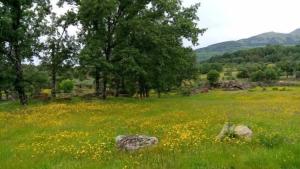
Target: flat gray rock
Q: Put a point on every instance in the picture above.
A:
(135, 142)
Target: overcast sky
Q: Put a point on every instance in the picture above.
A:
(237, 19)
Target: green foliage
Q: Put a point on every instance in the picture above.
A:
(35, 79)
(243, 73)
(213, 77)
(268, 74)
(288, 67)
(7, 76)
(127, 46)
(66, 86)
(206, 67)
(22, 23)
(271, 74)
(258, 76)
(138, 42)
(285, 56)
(271, 141)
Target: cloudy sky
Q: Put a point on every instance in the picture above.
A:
(237, 19)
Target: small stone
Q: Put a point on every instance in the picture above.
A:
(135, 142)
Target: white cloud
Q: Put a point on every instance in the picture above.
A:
(237, 19)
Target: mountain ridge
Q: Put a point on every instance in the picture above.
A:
(260, 40)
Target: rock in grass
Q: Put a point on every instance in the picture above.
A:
(239, 131)
(243, 131)
(135, 142)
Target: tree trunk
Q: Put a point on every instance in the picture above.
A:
(15, 53)
(158, 93)
(53, 84)
(147, 93)
(140, 91)
(6, 94)
(123, 90)
(0, 95)
(104, 94)
(97, 82)
(19, 86)
(117, 88)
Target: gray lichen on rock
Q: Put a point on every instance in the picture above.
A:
(135, 142)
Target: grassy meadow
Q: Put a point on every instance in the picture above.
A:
(81, 134)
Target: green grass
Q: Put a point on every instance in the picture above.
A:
(81, 134)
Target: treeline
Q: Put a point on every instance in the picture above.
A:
(268, 54)
(126, 46)
(265, 64)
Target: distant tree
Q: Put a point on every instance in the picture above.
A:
(288, 67)
(60, 47)
(265, 55)
(258, 76)
(213, 77)
(6, 78)
(206, 67)
(271, 75)
(35, 79)
(243, 73)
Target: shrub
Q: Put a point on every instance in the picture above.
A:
(283, 89)
(271, 141)
(258, 76)
(243, 74)
(213, 77)
(66, 86)
(271, 74)
(186, 91)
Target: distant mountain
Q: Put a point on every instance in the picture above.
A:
(270, 38)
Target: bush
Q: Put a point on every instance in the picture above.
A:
(243, 74)
(258, 76)
(67, 86)
(186, 91)
(271, 74)
(213, 77)
(271, 141)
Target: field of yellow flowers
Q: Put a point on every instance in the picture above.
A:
(81, 134)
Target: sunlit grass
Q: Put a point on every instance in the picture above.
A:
(81, 134)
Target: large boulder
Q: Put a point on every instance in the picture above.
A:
(238, 131)
(135, 142)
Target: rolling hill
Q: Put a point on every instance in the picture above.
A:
(269, 38)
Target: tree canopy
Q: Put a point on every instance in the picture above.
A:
(127, 46)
